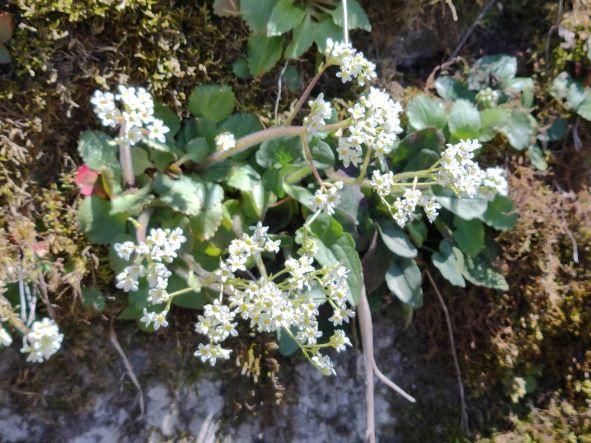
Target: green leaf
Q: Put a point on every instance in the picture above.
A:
(195, 299)
(247, 180)
(212, 102)
(426, 112)
(524, 87)
(518, 130)
(322, 154)
(555, 132)
(324, 30)
(431, 139)
(502, 67)
(279, 152)
(97, 222)
(284, 17)
(356, 17)
(336, 246)
(197, 149)
(423, 159)
(467, 208)
(184, 195)
(450, 263)
(418, 231)
(206, 224)
(256, 13)
(240, 68)
(300, 194)
(287, 345)
(404, 280)
(469, 235)
(169, 118)
(536, 156)
(492, 121)
(480, 272)
(584, 109)
(451, 89)
(5, 57)
(500, 214)
(131, 202)
(396, 239)
(302, 39)
(263, 53)
(576, 95)
(93, 298)
(130, 313)
(464, 120)
(241, 124)
(140, 160)
(97, 150)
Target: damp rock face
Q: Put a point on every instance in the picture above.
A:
(314, 408)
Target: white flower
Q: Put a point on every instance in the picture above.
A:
(124, 250)
(339, 340)
(353, 65)
(42, 341)
(225, 141)
(382, 183)
(376, 125)
(157, 130)
(126, 281)
(320, 111)
(5, 338)
(458, 171)
(210, 353)
(157, 319)
(431, 208)
(493, 182)
(158, 295)
(327, 198)
(133, 108)
(341, 315)
(323, 364)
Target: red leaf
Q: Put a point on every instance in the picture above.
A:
(85, 179)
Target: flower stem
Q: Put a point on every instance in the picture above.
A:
(310, 160)
(242, 144)
(305, 95)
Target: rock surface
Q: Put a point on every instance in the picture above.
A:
(314, 409)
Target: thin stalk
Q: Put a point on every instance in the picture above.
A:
(364, 166)
(310, 160)
(305, 94)
(255, 138)
(125, 160)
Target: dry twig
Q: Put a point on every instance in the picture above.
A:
(452, 342)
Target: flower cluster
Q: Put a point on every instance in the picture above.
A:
(149, 259)
(403, 209)
(279, 302)
(320, 111)
(327, 197)
(352, 63)
(493, 182)
(42, 341)
(459, 171)
(134, 115)
(487, 98)
(375, 123)
(225, 141)
(5, 338)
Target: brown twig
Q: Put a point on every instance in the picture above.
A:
(130, 373)
(465, 426)
(371, 368)
(470, 30)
